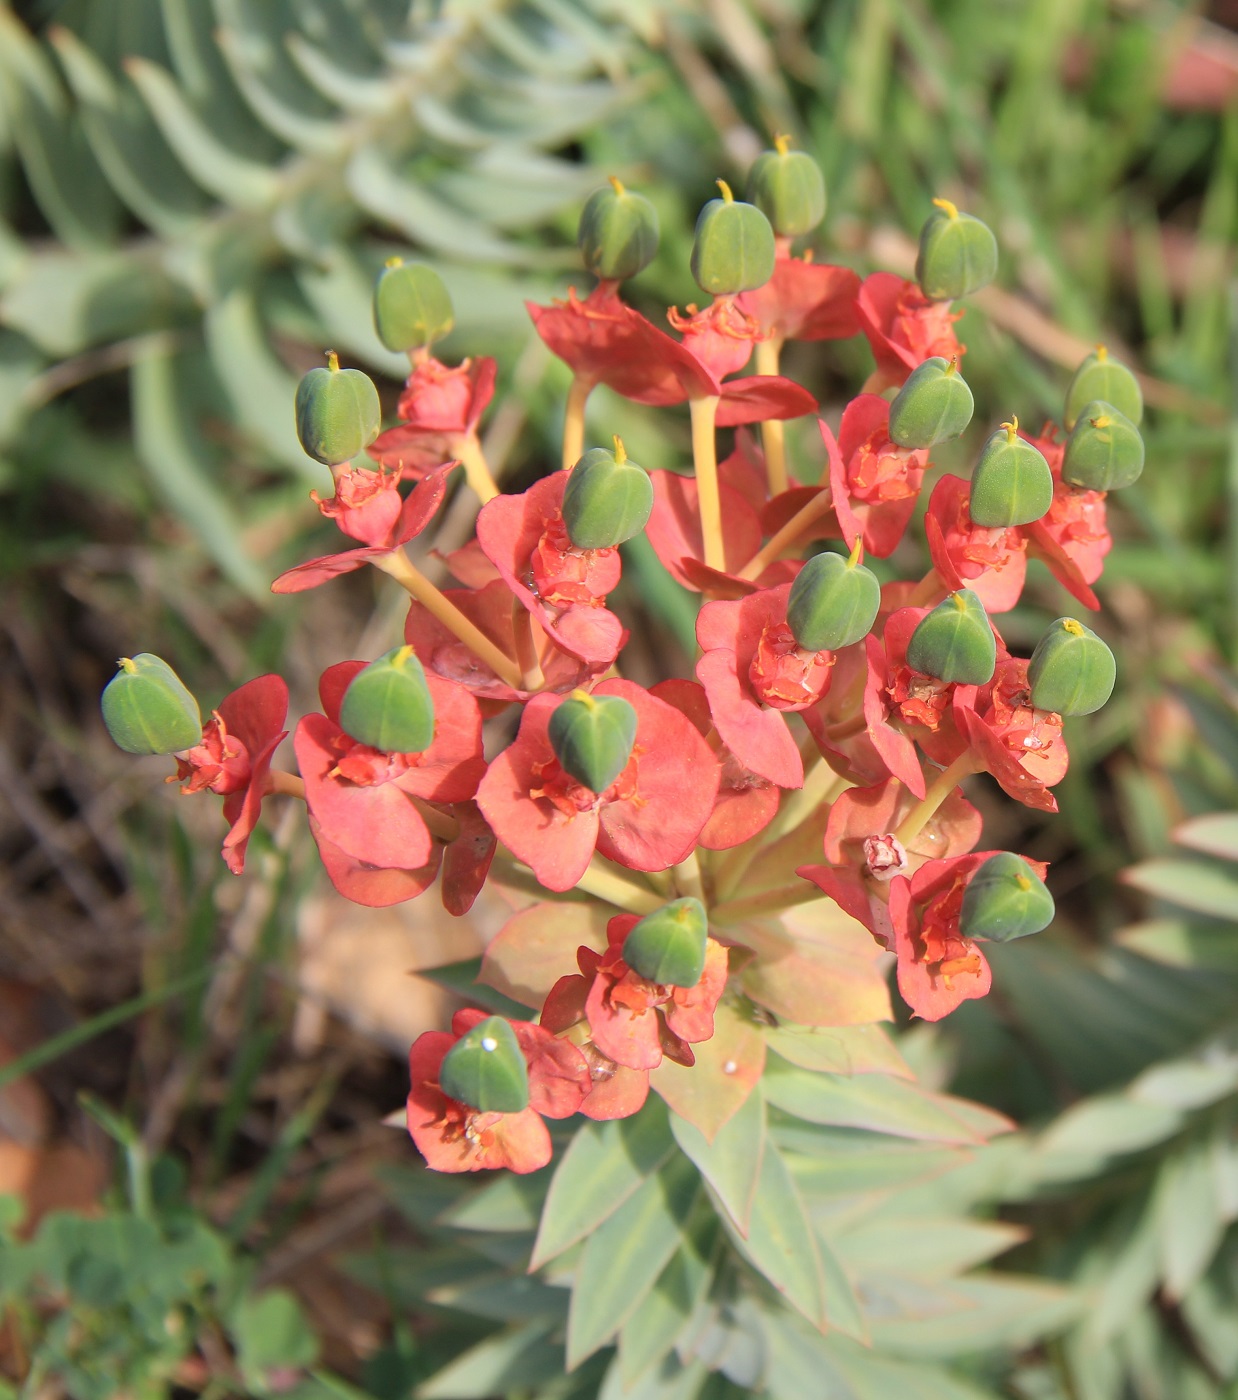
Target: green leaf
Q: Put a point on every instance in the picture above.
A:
(271, 1331)
(872, 1101)
(461, 978)
(838, 1050)
(979, 1314)
(728, 1067)
(508, 1204)
(731, 1163)
(667, 1381)
(501, 1297)
(604, 1166)
(624, 1256)
(1190, 1221)
(921, 1247)
(665, 1312)
(1188, 1084)
(1180, 943)
(1206, 889)
(1215, 835)
(781, 1243)
(1108, 1126)
(537, 946)
(518, 1356)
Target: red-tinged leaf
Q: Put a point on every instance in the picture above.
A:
(317, 571)
(536, 947)
(727, 1068)
(819, 984)
(759, 398)
(731, 1163)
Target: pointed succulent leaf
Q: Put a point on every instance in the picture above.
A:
(147, 708)
(733, 249)
(934, 405)
(789, 189)
(954, 642)
(412, 306)
(1102, 377)
(592, 737)
(618, 233)
(958, 254)
(668, 946)
(833, 601)
(338, 412)
(1072, 671)
(486, 1069)
(1011, 483)
(608, 499)
(388, 705)
(1005, 899)
(1104, 451)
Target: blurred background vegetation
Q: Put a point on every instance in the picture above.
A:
(194, 198)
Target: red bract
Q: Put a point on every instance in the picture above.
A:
(874, 482)
(721, 337)
(926, 708)
(992, 562)
(234, 756)
(937, 966)
(805, 300)
(1073, 537)
(607, 342)
(361, 797)
(374, 886)
(414, 515)
(439, 407)
(746, 803)
(863, 855)
(751, 669)
(1021, 746)
(903, 327)
(648, 819)
(489, 608)
(563, 587)
(617, 1091)
(366, 505)
(453, 1137)
(852, 723)
(466, 860)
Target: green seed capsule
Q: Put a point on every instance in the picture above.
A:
(833, 601)
(788, 188)
(733, 250)
(934, 405)
(337, 412)
(1011, 483)
(1072, 671)
(388, 705)
(668, 946)
(1005, 899)
(1099, 377)
(592, 737)
(147, 709)
(486, 1069)
(954, 642)
(618, 233)
(412, 306)
(608, 499)
(1104, 451)
(958, 254)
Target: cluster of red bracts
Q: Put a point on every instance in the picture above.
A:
(601, 1031)
(711, 755)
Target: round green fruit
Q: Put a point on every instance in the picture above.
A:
(486, 1069)
(147, 708)
(1011, 483)
(608, 499)
(1072, 671)
(733, 250)
(833, 601)
(388, 705)
(934, 405)
(1104, 451)
(954, 642)
(592, 737)
(788, 188)
(1005, 899)
(668, 946)
(618, 233)
(412, 306)
(958, 254)
(1109, 380)
(338, 413)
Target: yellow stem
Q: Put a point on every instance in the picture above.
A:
(687, 875)
(923, 812)
(526, 650)
(926, 591)
(769, 353)
(439, 823)
(617, 889)
(574, 421)
(821, 504)
(400, 568)
(476, 468)
(287, 783)
(752, 906)
(705, 459)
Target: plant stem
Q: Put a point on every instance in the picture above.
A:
(439, 824)
(772, 901)
(821, 504)
(606, 883)
(926, 591)
(526, 651)
(687, 875)
(923, 812)
(769, 353)
(476, 467)
(398, 565)
(574, 421)
(287, 783)
(705, 460)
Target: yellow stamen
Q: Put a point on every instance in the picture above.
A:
(949, 209)
(126, 663)
(333, 361)
(1012, 428)
(620, 455)
(616, 184)
(394, 262)
(1102, 353)
(401, 656)
(584, 697)
(1023, 882)
(857, 552)
(959, 601)
(953, 366)
(1074, 628)
(726, 192)
(1102, 422)
(782, 143)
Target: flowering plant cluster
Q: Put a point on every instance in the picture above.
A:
(817, 751)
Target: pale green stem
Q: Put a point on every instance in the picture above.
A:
(687, 877)
(616, 889)
(476, 467)
(574, 421)
(774, 901)
(705, 460)
(821, 504)
(923, 812)
(769, 353)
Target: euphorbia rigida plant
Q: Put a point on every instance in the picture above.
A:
(708, 877)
